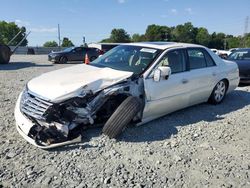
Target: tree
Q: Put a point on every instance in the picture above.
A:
(185, 33)
(137, 38)
(217, 40)
(66, 42)
(202, 36)
(9, 30)
(119, 35)
(246, 40)
(233, 42)
(107, 40)
(157, 33)
(50, 44)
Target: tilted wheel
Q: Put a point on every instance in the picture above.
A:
(122, 117)
(219, 92)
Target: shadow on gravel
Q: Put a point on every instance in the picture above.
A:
(21, 65)
(164, 127)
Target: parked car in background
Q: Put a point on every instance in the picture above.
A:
(132, 83)
(103, 46)
(242, 58)
(74, 54)
(221, 53)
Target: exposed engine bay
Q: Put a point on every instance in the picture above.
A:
(63, 121)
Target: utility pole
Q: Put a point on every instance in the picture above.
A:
(59, 37)
(84, 41)
(245, 31)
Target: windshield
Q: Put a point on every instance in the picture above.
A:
(240, 55)
(127, 58)
(68, 49)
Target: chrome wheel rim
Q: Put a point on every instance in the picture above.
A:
(220, 91)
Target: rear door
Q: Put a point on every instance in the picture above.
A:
(75, 54)
(203, 74)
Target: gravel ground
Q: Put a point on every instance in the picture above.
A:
(201, 146)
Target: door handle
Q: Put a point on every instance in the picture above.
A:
(184, 81)
(214, 74)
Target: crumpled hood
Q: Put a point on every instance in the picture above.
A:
(65, 83)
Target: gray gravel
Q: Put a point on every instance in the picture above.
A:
(201, 146)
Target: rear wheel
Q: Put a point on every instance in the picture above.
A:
(5, 54)
(219, 92)
(122, 116)
(63, 60)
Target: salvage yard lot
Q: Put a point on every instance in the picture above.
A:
(201, 146)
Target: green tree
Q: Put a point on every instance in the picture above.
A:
(66, 42)
(107, 40)
(9, 30)
(202, 36)
(50, 44)
(217, 40)
(246, 41)
(137, 38)
(157, 33)
(185, 33)
(232, 41)
(119, 35)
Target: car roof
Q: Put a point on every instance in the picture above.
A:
(162, 45)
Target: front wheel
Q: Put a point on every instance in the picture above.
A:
(122, 116)
(219, 92)
(63, 60)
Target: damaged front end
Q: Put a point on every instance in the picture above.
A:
(61, 122)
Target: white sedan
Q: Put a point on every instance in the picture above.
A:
(132, 83)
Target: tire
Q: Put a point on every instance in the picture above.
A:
(122, 117)
(219, 92)
(63, 60)
(5, 54)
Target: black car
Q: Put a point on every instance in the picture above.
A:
(74, 54)
(242, 58)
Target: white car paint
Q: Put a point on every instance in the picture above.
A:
(68, 82)
(178, 91)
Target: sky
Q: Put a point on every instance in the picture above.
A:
(95, 19)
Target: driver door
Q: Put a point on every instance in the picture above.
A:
(170, 94)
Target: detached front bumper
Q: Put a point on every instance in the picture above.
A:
(24, 125)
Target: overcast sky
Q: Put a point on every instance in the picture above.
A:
(94, 19)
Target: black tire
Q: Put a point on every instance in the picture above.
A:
(122, 117)
(5, 54)
(219, 92)
(63, 60)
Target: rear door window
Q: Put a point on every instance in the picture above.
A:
(196, 59)
(199, 58)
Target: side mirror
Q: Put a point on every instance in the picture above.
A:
(162, 71)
